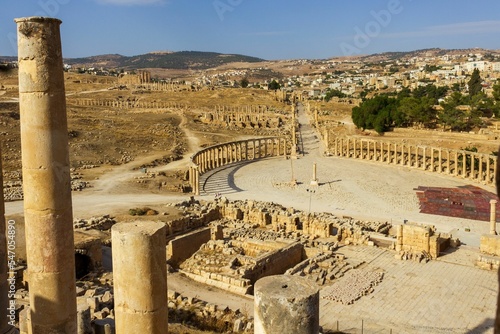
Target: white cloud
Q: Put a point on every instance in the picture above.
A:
(131, 2)
(464, 28)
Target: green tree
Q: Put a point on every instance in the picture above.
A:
(496, 92)
(451, 116)
(431, 68)
(418, 111)
(495, 102)
(244, 82)
(274, 85)
(475, 83)
(456, 87)
(377, 113)
(334, 92)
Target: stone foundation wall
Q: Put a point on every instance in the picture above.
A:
(189, 223)
(276, 262)
(490, 244)
(183, 247)
(419, 239)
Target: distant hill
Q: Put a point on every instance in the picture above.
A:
(194, 60)
(7, 59)
(435, 52)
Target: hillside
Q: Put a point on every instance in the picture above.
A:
(193, 60)
(435, 52)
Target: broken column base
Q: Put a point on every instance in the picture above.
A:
(286, 304)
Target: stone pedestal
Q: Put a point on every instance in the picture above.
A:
(46, 177)
(140, 277)
(286, 304)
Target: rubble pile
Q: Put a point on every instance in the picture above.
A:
(354, 285)
(324, 268)
(102, 223)
(13, 191)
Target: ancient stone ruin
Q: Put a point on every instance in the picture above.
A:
(281, 255)
(465, 164)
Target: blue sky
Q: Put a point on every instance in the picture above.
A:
(270, 29)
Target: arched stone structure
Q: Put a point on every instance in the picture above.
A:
(477, 167)
(227, 153)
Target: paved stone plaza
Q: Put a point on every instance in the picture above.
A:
(436, 297)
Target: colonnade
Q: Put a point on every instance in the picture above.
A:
(223, 154)
(249, 119)
(242, 109)
(478, 167)
(126, 104)
(158, 86)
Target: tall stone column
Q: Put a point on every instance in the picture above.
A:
(314, 181)
(493, 217)
(480, 176)
(424, 160)
(472, 174)
(4, 287)
(286, 304)
(196, 174)
(448, 162)
(46, 177)
(440, 161)
(140, 277)
(464, 164)
(488, 170)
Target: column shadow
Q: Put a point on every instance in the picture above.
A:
(221, 180)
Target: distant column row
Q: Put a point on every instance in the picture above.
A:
(227, 153)
(126, 104)
(475, 166)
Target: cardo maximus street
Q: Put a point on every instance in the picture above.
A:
(131, 143)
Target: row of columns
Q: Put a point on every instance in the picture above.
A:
(127, 104)
(159, 86)
(237, 117)
(144, 77)
(240, 109)
(224, 154)
(475, 166)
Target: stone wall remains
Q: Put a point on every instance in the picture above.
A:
(182, 247)
(420, 242)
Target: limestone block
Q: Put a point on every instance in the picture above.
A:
(83, 318)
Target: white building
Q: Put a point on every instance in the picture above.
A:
(480, 65)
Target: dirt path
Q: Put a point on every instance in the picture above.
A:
(115, 177)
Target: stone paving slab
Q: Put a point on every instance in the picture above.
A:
(436, 297)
